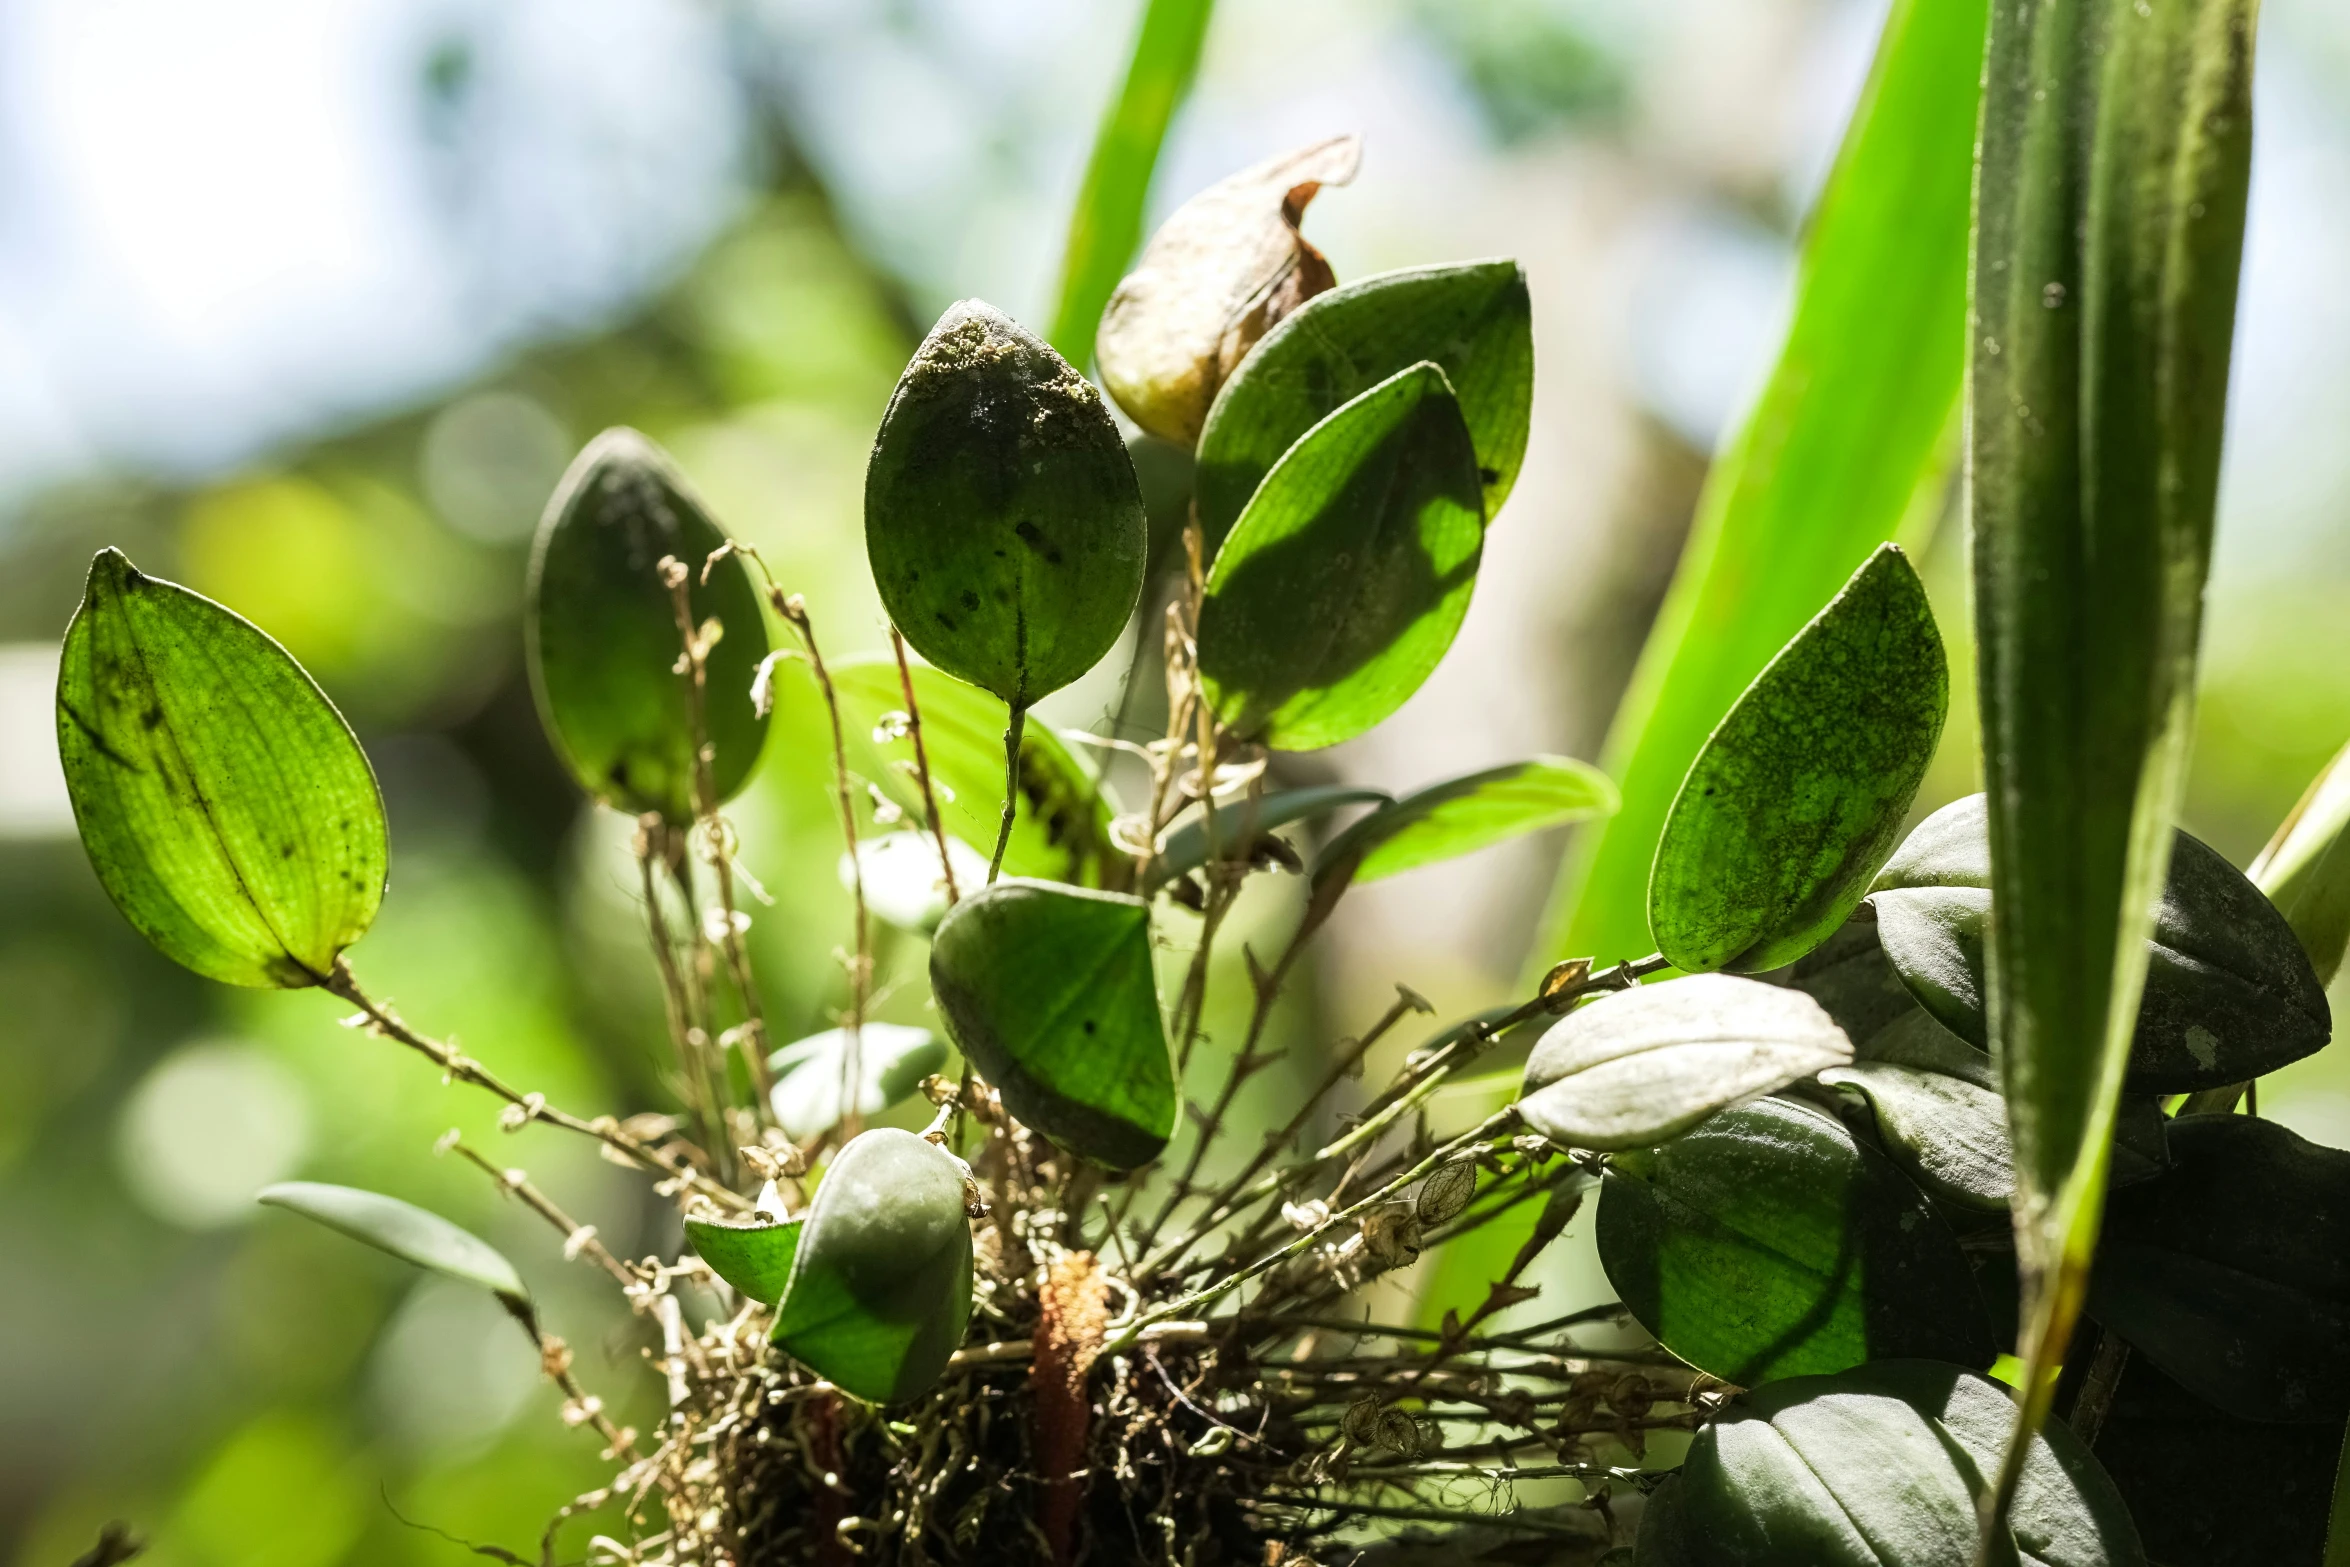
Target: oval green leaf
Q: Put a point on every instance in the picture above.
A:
(1474, 320)
(1342, 584)
(880, 1289)
(2231, 1270)
(225, 805)
(1646, 1064)
(1002, 517)
(753, 1255)
(406, 1231)
(2229, 992)
(1242, 822)
(604, 642)
(1462, 815)
(1769, 1243)
(1938, 1112)
(1800, 793)
(892, 1061)
(1061, 823)
(1049, 991)
(1882, 1466)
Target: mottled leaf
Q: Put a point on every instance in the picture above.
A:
(407, 1232)
(1216, 276)
(1635, 1068)
(604, 642)
(880, 1288)
(1002, 517)
(1473, 320)
(1342, 585)
(1799, 795)
(1769, 1243)
(225, 806)
(1049, 991)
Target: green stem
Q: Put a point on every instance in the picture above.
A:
(1003, 837)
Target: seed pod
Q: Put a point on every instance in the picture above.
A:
(1002, 517)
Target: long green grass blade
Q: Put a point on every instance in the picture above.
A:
(1831, 456)
(1106, 226)
(2108, 236)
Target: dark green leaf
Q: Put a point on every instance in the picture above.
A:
(1883, 1466)
(1240, 822)
(892, 1060)
(1646, 1064)
(1002, 517)
(1341, 586)
(1768, 1243)
(2229, 992)
(225, 806)
(1228, 265)
(880, 1290)
(1938, 1112)
(604, 642)
(1799, 795)
(1061, 830)
(755, 1255)
(1106, 223)
(1853, 427)
(1473, 320)
(2305, 870)
(2231, 1271)
(1462, 815)
(1848, 975)
(1049, 991)
(406, 1231)
(2164, 1448)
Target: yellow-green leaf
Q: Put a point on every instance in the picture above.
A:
(225, 805)
(406, 1231)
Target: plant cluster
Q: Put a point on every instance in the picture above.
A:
(1042, 1326)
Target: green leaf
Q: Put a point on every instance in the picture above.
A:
(1799, 795)
(753, 1255)
(1048, 990)
(1938, 1112)
(2228, 992)
(1462, 815)
(1882, 1466)
(1647, 1064)
(1342, 585)
(2231, 1271)
(225, 806)
(880, 1290)
(1474, 321)
(2305, 870)
(407, 1232)
(1106, 223)
(1226, 267)
(1853, 425)
(1061, 828)
(1002, 517)
(1768, 1243)
(1242, 822)
(2159, 1443)
(892, 1060)
(604, 642)
(1849, 975)
(2109, 229)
